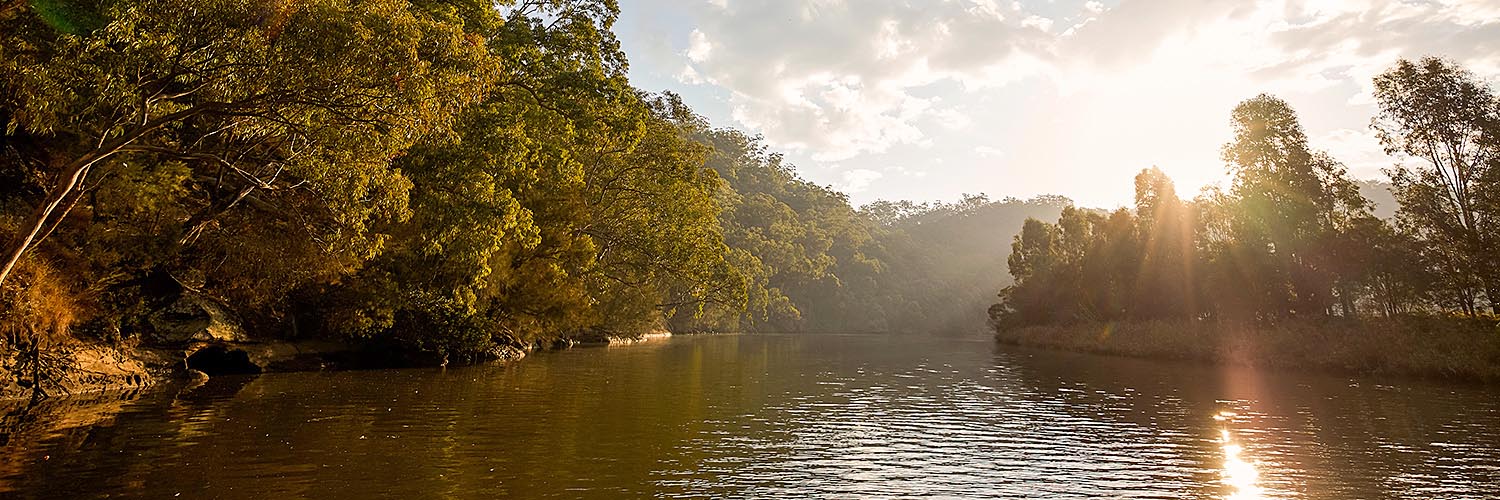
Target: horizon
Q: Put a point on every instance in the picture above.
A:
(937, 113)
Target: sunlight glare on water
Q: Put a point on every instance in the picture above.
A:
(1239, 474)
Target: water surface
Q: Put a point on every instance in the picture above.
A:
(769, 416)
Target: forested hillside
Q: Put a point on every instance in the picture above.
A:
(432, 179)
(942, 258)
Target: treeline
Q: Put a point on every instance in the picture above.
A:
(1291, 237)
(434, 178)
(941, 258)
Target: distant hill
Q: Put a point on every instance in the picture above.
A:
(949, 260)
(1379, 194)
(944, 263)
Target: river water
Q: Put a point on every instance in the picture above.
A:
(769, 416)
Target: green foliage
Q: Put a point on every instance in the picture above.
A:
(1290, 206)
(569, 205)
(1292, 237)
(438, 178)
(1447, 121)
(243, 146)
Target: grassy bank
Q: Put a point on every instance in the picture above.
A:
(1447, 348)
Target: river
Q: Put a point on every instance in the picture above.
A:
(769, 416)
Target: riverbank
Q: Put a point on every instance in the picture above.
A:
(1441, 348)
(79, 368)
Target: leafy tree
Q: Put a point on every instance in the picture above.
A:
(1292, 236)
(1164, 287)
(1444, 116)
(261, 100)
(570, 205)
(1292, 204)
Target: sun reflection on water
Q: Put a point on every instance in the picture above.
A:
(1239, 474)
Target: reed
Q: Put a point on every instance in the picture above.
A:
(1430, 347)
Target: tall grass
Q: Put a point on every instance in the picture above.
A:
(37, 312)
(1435, 347)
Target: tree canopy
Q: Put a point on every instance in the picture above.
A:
(1293, 235)
(434, 179)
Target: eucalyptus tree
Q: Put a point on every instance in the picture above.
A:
(1447, 119)
(567, 204)
(1034, 260)
(258, 98)
(1165, 285)
(1290, 205)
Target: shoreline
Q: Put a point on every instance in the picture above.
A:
(1450, 349)
(101, 369)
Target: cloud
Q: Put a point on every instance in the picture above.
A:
(1360, 151)
(989, 152)
(690, 76)
(838, 78)
(1357, 39)
(1063, 88)
(699, 47)
(859, 179)
(953, 119)
(1038, 22)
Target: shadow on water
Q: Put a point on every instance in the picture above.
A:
(41, 437)
(774, 416)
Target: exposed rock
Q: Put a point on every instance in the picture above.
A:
(302, 356)
(648, 337)
(504, 353)
(84, 367)
(195, 318)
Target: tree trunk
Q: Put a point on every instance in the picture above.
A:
(1492, 293)
(199, 222)
(1346, 302)
(72, 176)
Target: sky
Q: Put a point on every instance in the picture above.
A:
(931, 99)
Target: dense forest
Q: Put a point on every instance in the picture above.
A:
(434, 180)
(1292, 237)
(427, 178)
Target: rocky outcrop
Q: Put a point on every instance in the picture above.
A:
(504, 353)
(599, 338)
(647, 337)
(192, 317)
(187, 335)
(75, 367)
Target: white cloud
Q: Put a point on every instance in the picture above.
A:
(989, 152)
(859, 179)
(908, 172)
(953, 119)
(1127, 84)
(1037, 22)
(699, 48)
(1360, 151)
(690, 76)
(835, 79)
